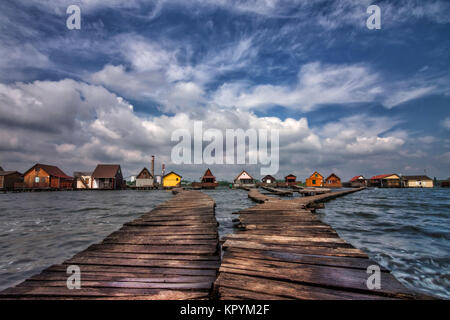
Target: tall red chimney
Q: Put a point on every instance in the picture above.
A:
(153, 166)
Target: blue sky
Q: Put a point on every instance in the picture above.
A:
(346, 99)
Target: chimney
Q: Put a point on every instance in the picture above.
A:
(153, 166)
(163, 169)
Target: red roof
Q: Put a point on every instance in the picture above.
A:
(381, 176)
(51, 170)
(208, 174)
(355, 178)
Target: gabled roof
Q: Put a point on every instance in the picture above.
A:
(106, 171)
(290, 175)
(208, 174)
(53, 171)
(1, 169)
(382, 176)
(142, 171)
(356, 178)
(269, 177)
(332, 175)
(416, 178)
(312, 176)
(78, 174)
(173, 173)
(240, 174)
(7, 173)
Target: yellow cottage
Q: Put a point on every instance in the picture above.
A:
(171, 180)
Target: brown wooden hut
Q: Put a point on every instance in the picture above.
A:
(208, 181)
(107, 177)
(385, 181)
(145, 179)
(290, 180)
(269, 179)
(358, 181)
(333, 181)
(43, 176)
(9, 178)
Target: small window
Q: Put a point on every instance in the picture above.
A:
(36, 179)
(314, 181)
(178, 179)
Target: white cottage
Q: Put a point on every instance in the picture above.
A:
(244, 179)
(144, 179)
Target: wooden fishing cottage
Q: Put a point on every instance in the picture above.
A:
(42, 176)
(107, 177)
(9, 178)
(333, 181)
(82, 180)
(207, 181)
(171, 180)
(417, 182)
(290, 180)
(269, 179)
(244, 179)
(385, 181)
(145, 179)
(357, 182)
(315, 180)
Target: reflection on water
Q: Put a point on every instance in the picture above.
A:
(404, 230)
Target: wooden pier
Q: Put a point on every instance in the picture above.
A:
(278, 192)
(283, 251)
(171, 252)
(311, 191)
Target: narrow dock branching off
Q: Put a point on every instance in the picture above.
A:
(283, 251)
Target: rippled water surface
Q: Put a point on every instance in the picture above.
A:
(43, 228)
(405, 230)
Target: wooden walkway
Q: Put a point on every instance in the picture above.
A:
(283, 251)
(168, 253)
(278, 192)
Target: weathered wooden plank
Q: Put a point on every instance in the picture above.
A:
(127, 277)
(181, 249)
(345, 278)
(335, 261)
(58, 284)
(136, 270)
(287, 289)
(255, 245)
(123, 255)
(38, 292)
(144, 262)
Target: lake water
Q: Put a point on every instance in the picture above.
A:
(404, 230)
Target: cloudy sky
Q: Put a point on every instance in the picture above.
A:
(344, 98)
